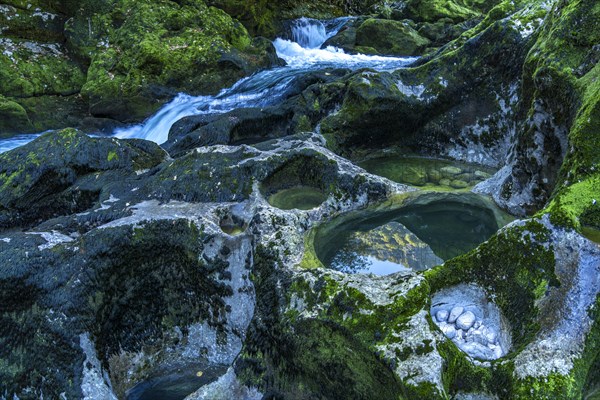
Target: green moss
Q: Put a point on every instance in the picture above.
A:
(390, 37)
(112, 155)
(513, 279)
(13, 117)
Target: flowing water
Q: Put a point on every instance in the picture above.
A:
(302, 54)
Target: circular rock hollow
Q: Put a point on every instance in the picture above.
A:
(301, 183)
(232, 225)
(417, 235)
(476, 325)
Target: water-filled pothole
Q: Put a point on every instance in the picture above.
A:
(433, 173)
(232, 226)
(299, 197)
(301, 183)
(418, 235)
(476, 325)
(177, 382)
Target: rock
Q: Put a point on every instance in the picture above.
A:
(36, 178)
(481, 175)
(465, 176)
(458, 184)
(490, 336)
(449, 331)
(478, 351)
(130, 84)
(391, 242)
(477, 324)
(13, 118)
(450, 171)
(414, 175)
(455, 312)
(444, 182)
(434, 175)
(441, 32)
(390, 37)
(442, 315)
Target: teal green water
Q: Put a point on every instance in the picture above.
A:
(449, 226)
(433, 173)
(591, 233)
(299, 197)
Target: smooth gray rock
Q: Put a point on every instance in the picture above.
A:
(455, 313)
(442, 315)
(466, 320)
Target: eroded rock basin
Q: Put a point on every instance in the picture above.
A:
(422, 232)
(298, 197)
(429, 172)
(476, 325)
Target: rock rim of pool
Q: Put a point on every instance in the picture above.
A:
(472, 322)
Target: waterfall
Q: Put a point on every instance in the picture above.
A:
(309, 33)
(302, 54)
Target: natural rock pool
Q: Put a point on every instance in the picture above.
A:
(299, 197)
(418, 235)
(429, 172)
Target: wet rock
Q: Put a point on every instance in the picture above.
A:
(455, 312)
(458, 184)
(442, 315)
(389, 37)
(449, 331)
(449, 172)
(465, 321)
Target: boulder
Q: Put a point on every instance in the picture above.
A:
(455, 312)
(466, 320)
(389, 37)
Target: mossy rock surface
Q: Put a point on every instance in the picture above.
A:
(390, 37)
(33, 177)
(159, 49)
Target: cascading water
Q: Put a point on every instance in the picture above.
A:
(302, 54)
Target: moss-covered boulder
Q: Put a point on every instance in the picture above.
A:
(125, 58)
(36, 179)
(389, 37)
(433, 10)
(13, 116)
(159, 49)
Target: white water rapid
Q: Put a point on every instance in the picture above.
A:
(302, 54)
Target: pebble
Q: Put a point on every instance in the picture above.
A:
(491, 336)
(449, 331)
(477, 324)
(465, 321)
(455, 313)
(442, 315)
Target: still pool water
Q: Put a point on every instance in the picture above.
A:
(416, 236)
(591, 233)
(433, 173)
(299, 197)
(177, 383)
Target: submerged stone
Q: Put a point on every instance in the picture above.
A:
(468, 306)
(465, 321)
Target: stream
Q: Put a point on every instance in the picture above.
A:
(302, 53)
